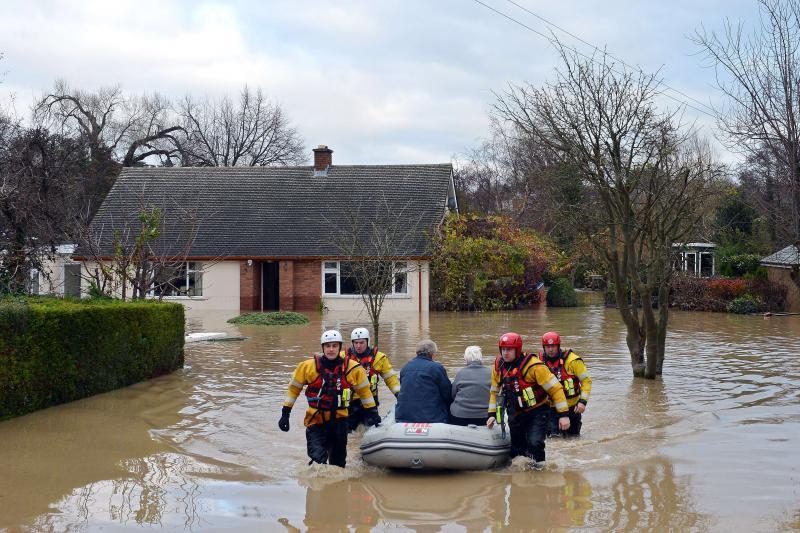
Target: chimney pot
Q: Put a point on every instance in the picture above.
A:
(323, 158)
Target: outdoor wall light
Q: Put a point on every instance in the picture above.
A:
(249, 262)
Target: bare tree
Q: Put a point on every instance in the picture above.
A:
(118, 127)
(759, 74)
(646, 179)
(38, 187)
(379, 244)
(252, 132)
(140, 251)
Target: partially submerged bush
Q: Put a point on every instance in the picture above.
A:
(562, 294)
(483, 264)
(274, 318)
(744, 305)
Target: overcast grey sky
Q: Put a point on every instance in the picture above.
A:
(379, 81)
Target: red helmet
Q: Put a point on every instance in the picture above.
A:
(511, 340)
(551, 338)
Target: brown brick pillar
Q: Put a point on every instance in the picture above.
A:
(249, 287)
(308, 285)
(286, 286)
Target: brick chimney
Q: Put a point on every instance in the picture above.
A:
(323, 158)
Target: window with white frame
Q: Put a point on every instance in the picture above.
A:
(341, 278)
(183, 280)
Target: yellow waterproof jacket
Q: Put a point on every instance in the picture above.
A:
(573, 369)
(381, 366)
(306, 373)
(536, 372)
(574, 365)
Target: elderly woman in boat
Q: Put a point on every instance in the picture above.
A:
(425, 390)
(471, 390)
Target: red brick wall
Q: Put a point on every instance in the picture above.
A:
(249, 287)
(307, 285)
(299, 285)
(286, 286)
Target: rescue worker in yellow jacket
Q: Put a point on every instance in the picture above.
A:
(521, 388)
(375, 363)
(568, 367)
(329, 380)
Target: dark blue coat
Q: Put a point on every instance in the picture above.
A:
(425, 392)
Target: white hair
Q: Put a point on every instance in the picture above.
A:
(473, 354)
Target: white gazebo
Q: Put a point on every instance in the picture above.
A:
(695, 258)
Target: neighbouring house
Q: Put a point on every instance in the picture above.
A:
(784, 267)
(270, 238)
(695, 259)
(60, 275)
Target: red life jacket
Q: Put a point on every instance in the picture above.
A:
(518, 393)
(366, 361)
(331, 390)
(570, 382)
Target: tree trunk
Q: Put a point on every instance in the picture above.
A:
(636, 346)
(651, 345)
(375, 331)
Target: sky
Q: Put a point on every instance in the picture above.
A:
(378, 81)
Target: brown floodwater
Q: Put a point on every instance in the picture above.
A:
(713, 446)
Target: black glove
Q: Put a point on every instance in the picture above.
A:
(371, 417)
(283, 423)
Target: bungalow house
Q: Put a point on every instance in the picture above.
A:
(784, 267)
(271, 238)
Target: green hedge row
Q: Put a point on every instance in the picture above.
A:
(54, 351)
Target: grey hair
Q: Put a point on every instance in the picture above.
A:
(427, 347)
(473, 354)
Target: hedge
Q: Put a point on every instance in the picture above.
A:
(716, 294)
(54, 351)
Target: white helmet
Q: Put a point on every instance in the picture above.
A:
(360, 333)
(331, 336)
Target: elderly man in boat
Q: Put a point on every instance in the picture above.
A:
(425, 390)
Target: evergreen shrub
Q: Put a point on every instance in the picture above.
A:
(744, 305)
(54, 351)
(562, 294)
(738, 265)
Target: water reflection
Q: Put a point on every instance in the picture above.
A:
(649, 497)
(49, 453)
(159, 493)
(499, 501)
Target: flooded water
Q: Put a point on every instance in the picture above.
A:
(711, 447)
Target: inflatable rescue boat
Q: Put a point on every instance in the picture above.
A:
(434, 446)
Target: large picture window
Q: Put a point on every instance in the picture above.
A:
(183, 280)
(342, 278)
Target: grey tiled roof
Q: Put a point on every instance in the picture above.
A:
(277, 211)
(786, 257)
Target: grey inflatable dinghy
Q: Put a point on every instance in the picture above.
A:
(434, 446)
